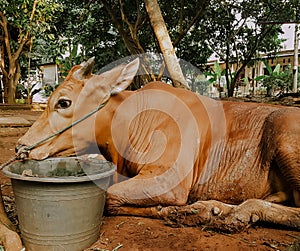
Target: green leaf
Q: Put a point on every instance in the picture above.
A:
(260, 78)
(277, 69)
(268, 67)
(75, 51)
(217, 69)
(51, 36)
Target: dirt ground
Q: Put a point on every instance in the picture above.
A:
(136, 233)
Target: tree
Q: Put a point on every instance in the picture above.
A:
(215, 76)
(19, 23)
(114, 29)
(196, 29)
(237, 31)
(131, 24)
(276, 79)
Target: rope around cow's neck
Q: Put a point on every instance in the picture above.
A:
(22, 154)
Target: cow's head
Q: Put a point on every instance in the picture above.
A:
(78, 95)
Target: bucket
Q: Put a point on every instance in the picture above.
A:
(60, 201)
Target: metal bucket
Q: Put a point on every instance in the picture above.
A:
(60, 201)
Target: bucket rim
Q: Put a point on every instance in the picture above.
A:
(61, 179)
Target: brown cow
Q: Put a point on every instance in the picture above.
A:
(186, 156)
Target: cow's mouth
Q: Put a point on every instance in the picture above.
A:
(22, 152)
(18, 148)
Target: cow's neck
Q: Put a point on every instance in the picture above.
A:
(104, 131)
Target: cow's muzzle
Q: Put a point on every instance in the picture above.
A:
(21, 152)
(19, 147)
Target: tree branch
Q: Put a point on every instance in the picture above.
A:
(190, 25)
(6, 34)
(130, 39)
(124, 19)
(3, 70)
(181, 17)
(138, 18)
(249, 57)
(25, 39)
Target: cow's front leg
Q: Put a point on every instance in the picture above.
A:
(232, 218)
(8, 237)
(144, 197)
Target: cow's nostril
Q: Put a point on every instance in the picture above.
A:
(19, 147)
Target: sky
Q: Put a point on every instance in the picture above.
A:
(289, 30)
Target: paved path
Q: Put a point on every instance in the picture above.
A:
(14, 122)
(18, 118)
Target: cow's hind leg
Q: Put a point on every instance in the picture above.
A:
(231, 218)
(281, 147)
(288, 161)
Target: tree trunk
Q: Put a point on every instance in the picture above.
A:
(231, 87)
(2, 66)
(13, 73)
(5, 88)
(165, 44)
(13, 79)
(11, 92)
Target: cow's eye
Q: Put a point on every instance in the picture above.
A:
(63, 103)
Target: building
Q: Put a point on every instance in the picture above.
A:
(285, 57)
(49, 76)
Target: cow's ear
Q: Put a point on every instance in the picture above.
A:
(86, 69)
(126, 76)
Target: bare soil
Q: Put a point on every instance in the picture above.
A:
(136, 233)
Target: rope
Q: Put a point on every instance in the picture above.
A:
(28, 148)
(8, 162)
(23, 153)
